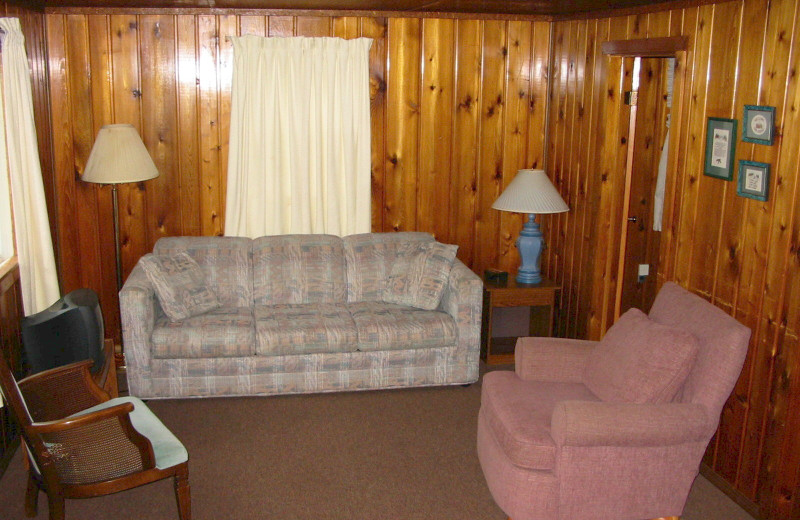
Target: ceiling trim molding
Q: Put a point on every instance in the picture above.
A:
(292, 12)
(641, 9)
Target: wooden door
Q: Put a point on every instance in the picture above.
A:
(648, 130)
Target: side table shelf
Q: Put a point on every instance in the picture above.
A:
(541, 298)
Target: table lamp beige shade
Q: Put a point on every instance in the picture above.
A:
(530, 192)
(118, 157)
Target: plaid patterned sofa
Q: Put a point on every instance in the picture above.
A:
(299, 314)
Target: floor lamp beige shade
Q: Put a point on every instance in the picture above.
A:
(118, 157)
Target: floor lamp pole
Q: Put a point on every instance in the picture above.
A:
(119, 357)
(116, 236)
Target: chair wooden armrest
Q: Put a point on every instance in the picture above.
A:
(117, 448)
(61, 391)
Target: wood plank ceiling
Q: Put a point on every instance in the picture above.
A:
(526, 8)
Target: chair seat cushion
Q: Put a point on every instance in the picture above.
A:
(518, 412)
(640, 361)
(222, 332)
(168, 450)
(388, 326)
(304, 329)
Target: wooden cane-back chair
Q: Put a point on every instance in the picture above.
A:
(81, 444)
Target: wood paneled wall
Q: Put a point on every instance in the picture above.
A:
(739, 253)
(458, 106)
(11, 350)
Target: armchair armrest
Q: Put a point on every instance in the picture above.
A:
(463, 300)
(61, 391)
(139, 308)
(585, 423)
(117, 448)
(554, 360)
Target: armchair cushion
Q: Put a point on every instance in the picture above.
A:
(180, 285)
(167, 449)
(419, 275)
(518, 413)
(640, 361)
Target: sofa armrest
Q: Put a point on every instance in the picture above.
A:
(555, 360)
(463, 300)
(585, 423)
(138, 309)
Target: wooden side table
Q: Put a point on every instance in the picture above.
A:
(539, 297)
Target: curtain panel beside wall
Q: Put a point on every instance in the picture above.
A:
(37, 266)
(300, 137)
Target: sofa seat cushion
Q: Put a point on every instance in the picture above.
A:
(388, 326)
(518, 414)
(304, 329)
(222, 332)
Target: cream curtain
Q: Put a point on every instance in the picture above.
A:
(37, 264)
(299, 157)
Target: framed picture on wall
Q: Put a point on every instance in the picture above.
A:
(753, 180)
(720, 148)
(759, 124)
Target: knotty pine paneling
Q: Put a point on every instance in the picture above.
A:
(740, 254)
(11, 350)
(457, 106)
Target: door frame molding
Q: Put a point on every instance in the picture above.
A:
(668, 47)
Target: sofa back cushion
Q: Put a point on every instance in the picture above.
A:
(179, 284)
(225, 261)
(370, 257)
(420, 274)
(298, 269)
(640, 361)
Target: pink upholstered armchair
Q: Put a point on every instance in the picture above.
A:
(613, 429)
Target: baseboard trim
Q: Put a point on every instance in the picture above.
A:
(734, 494)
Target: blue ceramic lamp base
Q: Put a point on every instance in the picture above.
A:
(530, 244)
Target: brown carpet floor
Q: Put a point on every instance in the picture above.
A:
(397, 454)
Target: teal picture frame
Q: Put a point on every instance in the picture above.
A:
(759, 124)
(753, 180)
(720, 148)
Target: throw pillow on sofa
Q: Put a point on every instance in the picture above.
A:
(180, 285)
(420, 274)
(640, 361)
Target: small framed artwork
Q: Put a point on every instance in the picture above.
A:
(720, 148)
(753, 180)
(759, 124)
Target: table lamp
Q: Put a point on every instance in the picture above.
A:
(118, 157)
(530, 192)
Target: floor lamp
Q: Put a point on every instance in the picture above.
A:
(118, 157)
(530, 192)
